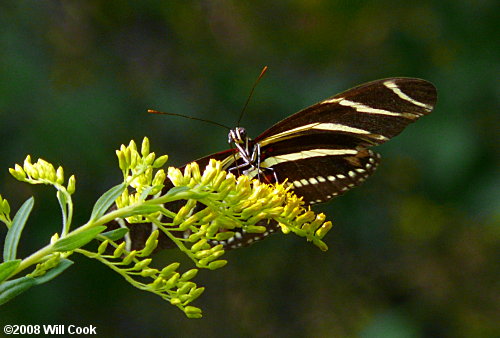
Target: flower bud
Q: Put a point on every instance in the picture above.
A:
(160, 161)
(71, 185)
(60, 175)
(145, 147)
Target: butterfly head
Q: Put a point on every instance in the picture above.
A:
(238, 136)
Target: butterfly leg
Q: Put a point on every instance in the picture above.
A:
(256, 158)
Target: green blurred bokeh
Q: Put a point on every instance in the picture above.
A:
(414, 251)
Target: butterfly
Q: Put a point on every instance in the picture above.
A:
(323, 150)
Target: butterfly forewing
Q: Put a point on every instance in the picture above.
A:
(322, 150)
(371, 113)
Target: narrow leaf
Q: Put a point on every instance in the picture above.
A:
(143, 210)
(176, 190)
(145, 193)
(14, 233)
(198, 195)
(116, 234)
(6, 268)
(13, 288)
(106, 200)
(54, 272)
(78, 240)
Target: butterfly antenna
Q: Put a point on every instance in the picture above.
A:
(152, 111)
(251, 93)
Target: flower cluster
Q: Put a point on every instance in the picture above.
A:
(42, 172)
(242, 203)
(199, 212)
(141, 173)
(166, 282)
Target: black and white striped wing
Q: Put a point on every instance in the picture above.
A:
(322, 150)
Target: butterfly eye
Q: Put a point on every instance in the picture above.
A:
(237, 135)
(242, 134)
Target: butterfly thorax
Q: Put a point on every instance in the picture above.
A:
(248, 156)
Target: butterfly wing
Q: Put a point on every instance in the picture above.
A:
(369, 114)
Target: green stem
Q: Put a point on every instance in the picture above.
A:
(37, 256)
(119, 213)
(141, 286)
(129, 279)
(177, 242)
(70, 210)
(68, 215)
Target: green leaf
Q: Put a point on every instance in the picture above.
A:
(6, 268)
(14, 233)
(106, 200)
(78, 240)
(54, 272)
(176, 190)
(143, 210)
(116, 234)
(145, 193)
(197, 195)
(13, 288)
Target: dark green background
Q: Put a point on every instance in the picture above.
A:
(413, 252)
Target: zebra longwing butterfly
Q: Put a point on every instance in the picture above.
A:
(323, 150)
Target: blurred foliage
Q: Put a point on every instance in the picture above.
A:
(414, 251)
